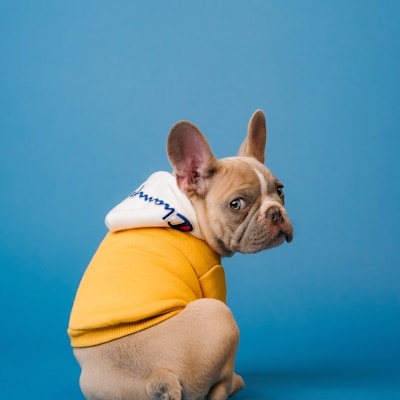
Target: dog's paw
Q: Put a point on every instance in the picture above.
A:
(238, 384)
(226, 388)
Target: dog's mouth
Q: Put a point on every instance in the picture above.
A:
(285, 233)
(288, 235)
(263, 242)
(251, 239)
(279, 239)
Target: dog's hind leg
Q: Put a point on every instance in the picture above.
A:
(226, 388)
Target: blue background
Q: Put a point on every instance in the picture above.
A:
(88, 93)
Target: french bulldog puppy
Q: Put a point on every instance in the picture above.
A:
(150, 320)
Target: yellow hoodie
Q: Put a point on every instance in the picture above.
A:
(139, 278)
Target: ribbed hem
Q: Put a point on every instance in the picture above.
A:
(93, 337)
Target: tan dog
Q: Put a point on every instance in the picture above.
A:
(187, 351)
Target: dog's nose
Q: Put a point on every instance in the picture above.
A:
(274, 214)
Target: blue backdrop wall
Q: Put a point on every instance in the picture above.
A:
(88, 93)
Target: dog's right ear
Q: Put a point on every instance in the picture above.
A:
(191, 157)
(256, 140)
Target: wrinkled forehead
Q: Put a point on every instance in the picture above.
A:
(252, 172)
(249, 164)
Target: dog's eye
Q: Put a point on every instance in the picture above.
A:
(279, 190)
(238, 204)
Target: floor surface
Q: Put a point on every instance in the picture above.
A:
(54, 376)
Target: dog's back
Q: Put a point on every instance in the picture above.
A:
(139, 278)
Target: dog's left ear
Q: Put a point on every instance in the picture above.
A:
(191, 157)
(256, 140)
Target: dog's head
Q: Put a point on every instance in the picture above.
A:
(238, 200)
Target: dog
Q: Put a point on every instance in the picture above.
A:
(149, 320)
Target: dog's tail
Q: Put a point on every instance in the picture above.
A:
(164, 385)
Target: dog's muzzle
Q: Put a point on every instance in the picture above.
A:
(274, 214)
